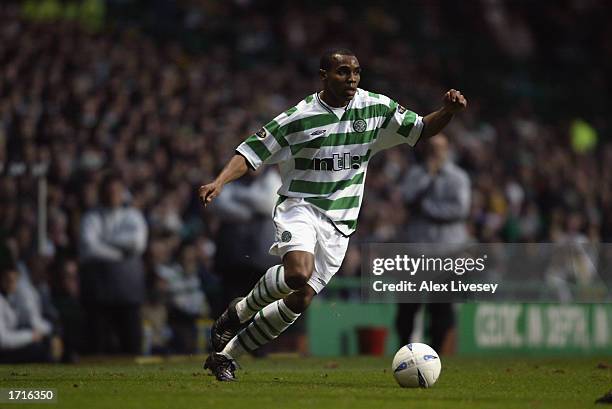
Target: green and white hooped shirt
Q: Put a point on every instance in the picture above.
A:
(323, 153)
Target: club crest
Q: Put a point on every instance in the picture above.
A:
(359, 125)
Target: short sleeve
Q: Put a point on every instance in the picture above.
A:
(268, 145)
(400, 126)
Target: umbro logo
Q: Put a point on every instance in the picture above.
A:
(319, 132)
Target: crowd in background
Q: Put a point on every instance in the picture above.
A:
(163, 101)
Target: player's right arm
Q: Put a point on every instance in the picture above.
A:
(235, 168)
(266, 146)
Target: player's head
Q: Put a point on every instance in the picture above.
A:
(340, 73)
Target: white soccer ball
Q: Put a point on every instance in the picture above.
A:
(416, 365)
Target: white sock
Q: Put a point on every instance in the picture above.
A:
(268, 324)
(269, 288)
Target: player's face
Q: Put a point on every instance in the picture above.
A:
(342, 79)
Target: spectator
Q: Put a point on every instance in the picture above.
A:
(24, 337)
(438, 195)
(67, 300)
(113, 239)
(246, 232)
(186, 300)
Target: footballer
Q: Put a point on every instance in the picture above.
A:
(322, 147)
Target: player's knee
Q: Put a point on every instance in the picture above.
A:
(297, 277)
(306, 297)
(298, 271)
(299, 301)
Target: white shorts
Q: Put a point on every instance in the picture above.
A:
(301, 227)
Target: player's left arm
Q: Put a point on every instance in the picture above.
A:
(453, 102)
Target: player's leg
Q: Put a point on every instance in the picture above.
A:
(319, 247)
(306, 271)
(278, 282)
(275, 318)
(300, 300)
(267, 325)
(296, 241)
(271, 287)
(270, 321)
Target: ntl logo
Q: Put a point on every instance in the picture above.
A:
(337, 162)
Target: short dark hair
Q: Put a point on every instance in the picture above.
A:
(326, 58)
(108, 179)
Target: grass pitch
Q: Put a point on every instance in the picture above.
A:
(318, 383)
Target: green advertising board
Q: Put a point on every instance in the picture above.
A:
(483, 328)
(332, 326)
(537, 329)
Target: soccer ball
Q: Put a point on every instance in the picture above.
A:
(416, 365)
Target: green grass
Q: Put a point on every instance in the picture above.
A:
(318, 383)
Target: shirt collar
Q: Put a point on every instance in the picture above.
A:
(329, 108)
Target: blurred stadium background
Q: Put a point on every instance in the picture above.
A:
(161, 92)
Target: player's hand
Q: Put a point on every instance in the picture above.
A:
(209, 192)
(454, 101)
